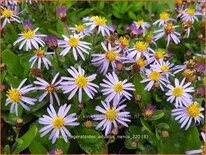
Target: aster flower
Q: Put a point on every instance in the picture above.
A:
(122, 43)
(165, 67)
(150, 39)
(52, 41)
(188, 113)
(180, 93)
(190, 14)
(141, 24)
(149, 111)
(31, 39)
(140, 49)
(157, 55)
(187, 26)
(110, 56)
(154, 78)
(73, 42)
(17, 97)
(111, 116)
(202, 150)
(57, 122)
(169, 31)
(40, 56)
(27, 25)
(62, 12)
(81, 30)
(98, 22)
(115, 89)
(139, 64)
(164, 18)
(49, 88)
(179, 68)
(135, 30)
(79, 82)
(8, 16)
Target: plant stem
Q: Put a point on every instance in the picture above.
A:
(57, 58)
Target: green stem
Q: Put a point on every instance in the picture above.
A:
(57, 58)
(15, 144)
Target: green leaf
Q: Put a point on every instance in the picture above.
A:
(60, 143)
(163, 126)
(37, 148)
(101, 5)
(94, 148)
(13, 34)
(87, 135)
(146, 96)
(27, 139)
(6, 149)
(132, 15)
(179, 142)
(145, 125)
(13, 62)
(85, 12)
(158, 114)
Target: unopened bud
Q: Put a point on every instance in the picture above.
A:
(80, 106)
(35, 72)
(138, 98)
(115, 132)
(164, 133)
(134, 143)
(88, 124)
(19, 122)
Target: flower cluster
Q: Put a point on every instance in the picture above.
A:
(104, 70)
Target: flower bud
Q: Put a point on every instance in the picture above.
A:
(19, 122)
(164, 134)
(88, 124)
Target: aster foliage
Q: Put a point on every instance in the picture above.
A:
(100, 77)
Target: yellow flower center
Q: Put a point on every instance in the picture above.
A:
(111, 115)
(100, 21)
(14, 95)
(164, 16)
(178, 91)
(149, 38)
(193, 110)
(80, 28)
(141, 62)
(140, 22)
(159, 54)
(169, 28)
(141, 46)
(29, 34)
(154, 75)
(187, 24)
(164, 68)
(81, 81)
(118, 87)
(51, 88)
(204, 81)
(148, 113)
(111, 55)
(7, 13)
(58, 122)
(73, 42)
(191, 12)
(40, 53)
(204, 148)
(124, 42)
(181, 11)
